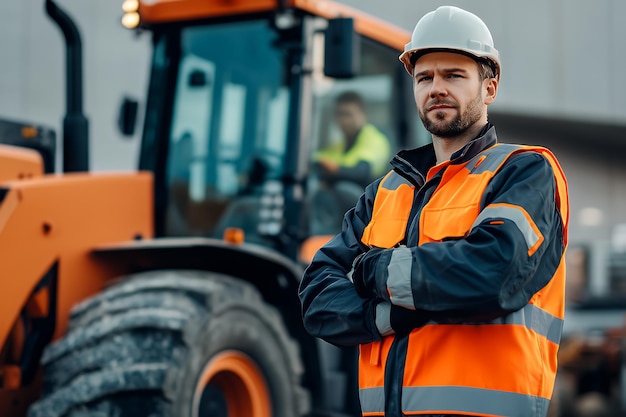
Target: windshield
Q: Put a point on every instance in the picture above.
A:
(358, 124)
(229, 125)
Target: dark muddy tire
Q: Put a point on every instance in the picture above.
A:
(173, 343)
(240, 363)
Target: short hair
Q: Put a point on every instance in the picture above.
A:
(351, 97)
(486, 69)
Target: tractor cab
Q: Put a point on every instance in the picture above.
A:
(239, 105)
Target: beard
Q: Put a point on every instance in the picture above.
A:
(458, 125)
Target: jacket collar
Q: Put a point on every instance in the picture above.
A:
(418, 161)
(486, 139)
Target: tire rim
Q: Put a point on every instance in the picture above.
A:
(231, 385)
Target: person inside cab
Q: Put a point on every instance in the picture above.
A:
(348, 164)
(362, 154)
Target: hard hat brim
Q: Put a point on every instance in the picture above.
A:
(408, 58)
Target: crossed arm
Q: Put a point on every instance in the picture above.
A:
(495, 269)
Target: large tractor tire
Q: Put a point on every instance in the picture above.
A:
(174, 343)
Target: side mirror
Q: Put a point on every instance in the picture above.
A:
(127, 118)
(342, 49)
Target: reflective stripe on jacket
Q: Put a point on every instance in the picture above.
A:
(500, 366)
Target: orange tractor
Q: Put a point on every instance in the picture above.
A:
(172, 290)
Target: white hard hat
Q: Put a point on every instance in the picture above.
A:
(451, 29)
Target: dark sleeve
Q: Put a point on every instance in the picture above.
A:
(331, 308)
(361, 174)
(510, 253)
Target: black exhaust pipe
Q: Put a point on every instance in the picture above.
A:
(75, 125)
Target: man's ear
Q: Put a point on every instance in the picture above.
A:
(491, 90)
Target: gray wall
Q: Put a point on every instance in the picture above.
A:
(32, 71)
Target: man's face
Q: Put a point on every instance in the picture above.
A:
(449, 93)
(350, 118)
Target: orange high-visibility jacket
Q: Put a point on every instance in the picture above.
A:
(474, 239)
(503, 366)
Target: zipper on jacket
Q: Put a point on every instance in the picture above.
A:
(404, 168)
(422, 197)
(394, 376)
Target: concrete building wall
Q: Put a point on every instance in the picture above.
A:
(32, 71)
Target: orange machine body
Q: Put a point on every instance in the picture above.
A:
(52, 223)
(18, 163)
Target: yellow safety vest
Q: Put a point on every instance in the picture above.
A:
(370, 146)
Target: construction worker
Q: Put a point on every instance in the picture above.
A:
(347, 165)
(363, 153)
(449, 273)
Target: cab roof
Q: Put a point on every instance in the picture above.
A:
(155, 12)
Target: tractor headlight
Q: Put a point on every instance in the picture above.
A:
(131, 16)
